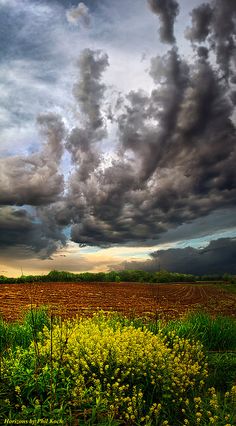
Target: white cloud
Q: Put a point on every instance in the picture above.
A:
(78, 14)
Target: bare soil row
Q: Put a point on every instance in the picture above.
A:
(160, 300)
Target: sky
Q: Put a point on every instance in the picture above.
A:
(117, 135)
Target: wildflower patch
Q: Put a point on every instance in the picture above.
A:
(90, 371)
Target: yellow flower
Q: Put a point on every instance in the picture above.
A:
(112, 365)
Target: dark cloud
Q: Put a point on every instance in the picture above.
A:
(233, 79)
(20, 229)
(233, 96)
(204, 227)
(35, 179)
(167, 10)
(83, 141)
(89, 94)
(180, 167)
(203, 52)
(89, 91)
(215, 23)
(173, 162)
(201, 20)
(217, 258)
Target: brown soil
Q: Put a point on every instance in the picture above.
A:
(157, 300)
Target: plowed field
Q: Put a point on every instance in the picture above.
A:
(70, 299)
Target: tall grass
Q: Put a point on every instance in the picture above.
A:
(216, 334)
(14, 334)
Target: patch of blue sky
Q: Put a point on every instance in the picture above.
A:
(67, 231)
(89, 250)
(204, 241)
(66, 166)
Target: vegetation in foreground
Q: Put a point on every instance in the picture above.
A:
(117, 276)
(111, 370)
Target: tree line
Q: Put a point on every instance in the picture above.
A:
(114, 276)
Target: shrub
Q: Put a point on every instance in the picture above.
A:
(128, 373)
(103, 370)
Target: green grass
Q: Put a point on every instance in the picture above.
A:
(216, 334)
(230, 287)
(222, 370)
(22, 333)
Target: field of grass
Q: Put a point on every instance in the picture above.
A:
(228, 286)
(114, 370)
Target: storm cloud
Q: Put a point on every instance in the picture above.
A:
(172, 150)
(215, 24)
(174, 164)
(82, 143)
(167, 10)
(35, 179)
(218, 257)
(21, 229)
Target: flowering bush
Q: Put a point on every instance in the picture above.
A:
(92, 370)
